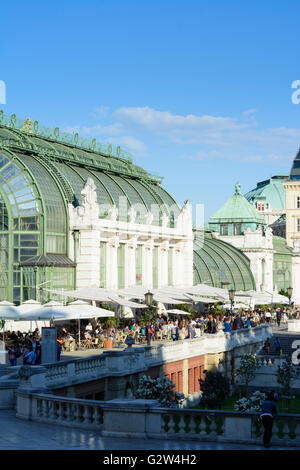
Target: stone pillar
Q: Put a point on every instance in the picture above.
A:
(149, 245)
(88, 263)
(112, 262)
(163, 264)
(130, 277)
(178, 265)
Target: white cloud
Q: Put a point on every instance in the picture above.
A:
(131, 142)
(102, 110)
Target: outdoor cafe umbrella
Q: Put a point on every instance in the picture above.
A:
(175, 311)
(51, 311)
(29, 306)
(7, 312)
(82, 310)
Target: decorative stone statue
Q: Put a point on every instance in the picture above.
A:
(88, 193)
(113, 213)
(132, 215)
(238, 188)
(164, 220)
(149, 218)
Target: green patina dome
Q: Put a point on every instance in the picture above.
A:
(270, 192)
(236, 215)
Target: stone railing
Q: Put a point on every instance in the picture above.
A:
(141, 419)
(144, 419)
(51, 409)
(269, 361)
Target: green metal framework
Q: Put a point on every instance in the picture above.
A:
(43, 170)
(217, 263)
(282, 264)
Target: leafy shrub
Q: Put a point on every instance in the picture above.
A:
(247, 369)
(161, 389)
(252, 403)
(285, 374)
(215, 389)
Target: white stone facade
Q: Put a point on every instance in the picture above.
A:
(87, 231)
(258, 247)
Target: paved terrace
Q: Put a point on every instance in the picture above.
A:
(16, 434)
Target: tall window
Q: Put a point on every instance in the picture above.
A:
(155, 267)
(298, 202)
(138, 265)
(298, 225)
(103, 264)
(121, 266)
(170, 266)
(237, 229)
(261, 206)
(224, 229)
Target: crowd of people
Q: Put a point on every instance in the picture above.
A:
(94, 334)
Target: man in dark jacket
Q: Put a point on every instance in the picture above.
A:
(278, 317)
(268, 411)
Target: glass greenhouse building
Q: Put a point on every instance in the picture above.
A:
(42, 174)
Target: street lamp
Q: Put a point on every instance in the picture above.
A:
(148, 301)
(290, 292)
(231, 293)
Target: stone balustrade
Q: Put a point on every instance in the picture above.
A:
(137, 419)
(145, 419)
(269, 361)
(51, 409)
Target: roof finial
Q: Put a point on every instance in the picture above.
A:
(238, 188)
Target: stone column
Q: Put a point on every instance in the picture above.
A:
(163, 264)
(112, 281)
(88, 262)
(131, 262)
(149, 245)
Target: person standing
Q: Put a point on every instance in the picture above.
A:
(149, 334)
(277, 346)
(268, 411)
(268, 316)
(278, 317)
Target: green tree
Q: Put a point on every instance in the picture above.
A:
(215, 389)
(247, 370)
(285, 374)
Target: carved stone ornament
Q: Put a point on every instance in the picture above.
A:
(149, 218)
(113, 213)
(132, 215)
(164, 220)
(88, 193)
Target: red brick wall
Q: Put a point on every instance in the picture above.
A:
(195, 372)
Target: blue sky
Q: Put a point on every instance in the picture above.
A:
(198, 91)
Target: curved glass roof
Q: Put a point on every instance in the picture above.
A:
(218, 264)
(17, 186)
(61, 169)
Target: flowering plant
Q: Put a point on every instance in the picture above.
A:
(161, 389)
(252, 403)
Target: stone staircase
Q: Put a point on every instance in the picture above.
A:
(286, 341)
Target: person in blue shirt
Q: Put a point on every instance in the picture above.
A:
(227, 326)
(268, 411)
